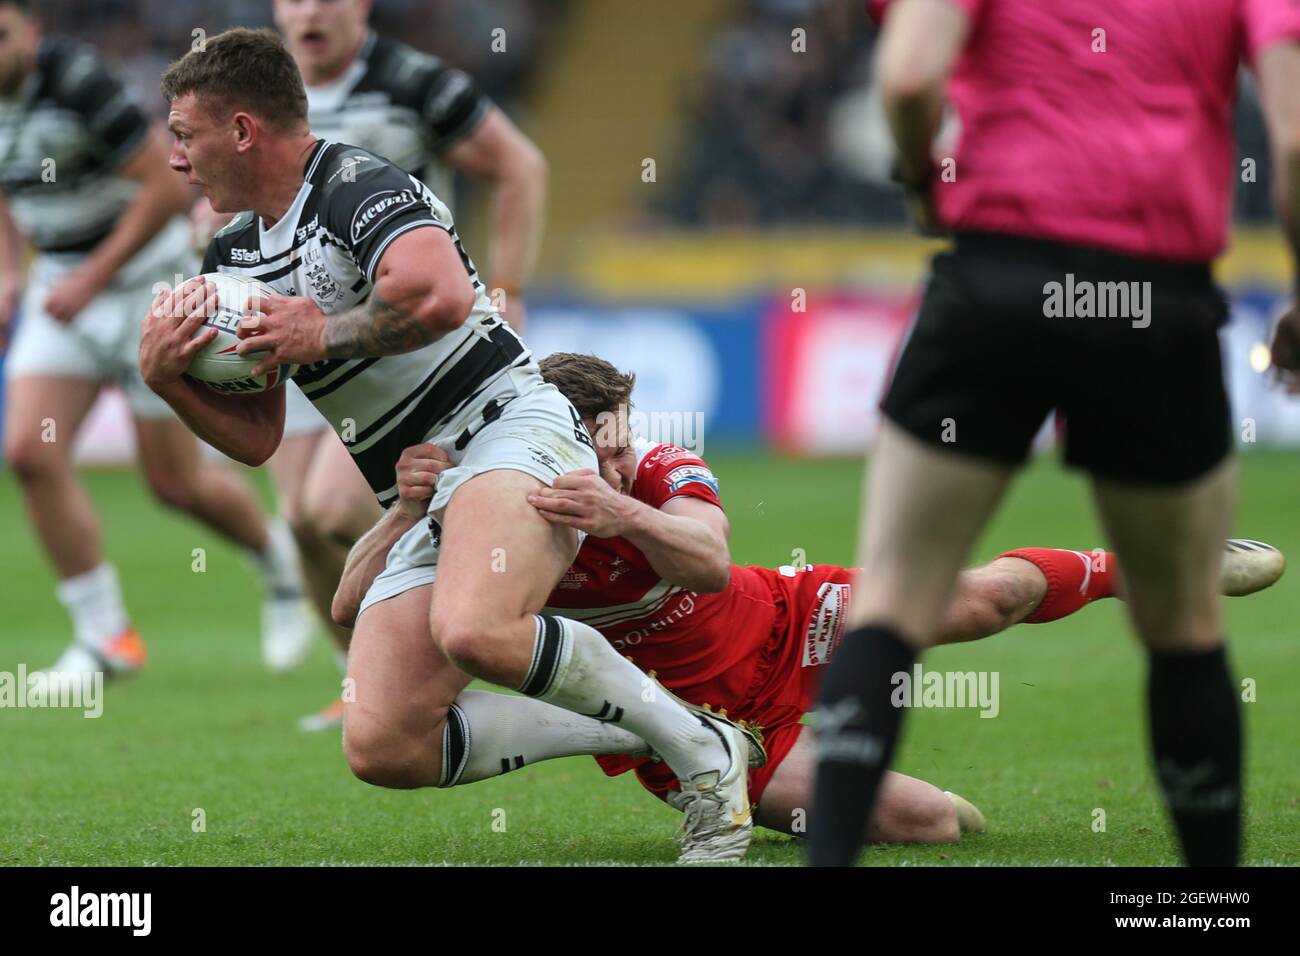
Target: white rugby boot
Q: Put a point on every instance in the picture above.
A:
(120, 655)
(718, 819)
(288, 624)
(288, 628)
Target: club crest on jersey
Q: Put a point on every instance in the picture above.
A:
(323, 287)
(379, 207)
(678, 478)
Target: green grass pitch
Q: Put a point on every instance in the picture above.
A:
(206, 728)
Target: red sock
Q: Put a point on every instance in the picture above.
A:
(1074, 578)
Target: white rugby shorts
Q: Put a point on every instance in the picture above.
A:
(102, 343)
(537, 433)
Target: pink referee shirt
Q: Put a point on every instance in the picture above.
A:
(1103, 122)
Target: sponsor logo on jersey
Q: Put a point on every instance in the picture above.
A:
(573, 580)
(666, 454)
(302, 232)
(379, 207)
(826, 626)
(685, 608)
(618, 567)
(678, 478)
(245, 255)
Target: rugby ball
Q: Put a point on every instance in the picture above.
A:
(217, 365)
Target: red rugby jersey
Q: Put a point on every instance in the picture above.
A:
(687, 638)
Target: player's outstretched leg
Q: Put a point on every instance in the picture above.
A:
(499, 560)
(1037, 585)
(42, 416)
(1170, 547)
(173, 465)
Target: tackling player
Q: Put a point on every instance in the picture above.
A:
(397, 342)
(86, 182)
(654, 577)
(432, 121)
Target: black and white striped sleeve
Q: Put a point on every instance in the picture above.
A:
(112, 117)
(370, 212)
(451, 105)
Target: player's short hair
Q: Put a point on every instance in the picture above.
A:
(590, 383)
(242, 69)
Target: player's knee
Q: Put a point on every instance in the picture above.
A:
(305, 533)
(469, 644)
(332, 518)
(31, 461)
(172, 491)
(385, 759)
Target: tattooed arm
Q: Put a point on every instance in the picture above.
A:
(421, 292)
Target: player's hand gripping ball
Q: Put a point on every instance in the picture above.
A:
(218, 365)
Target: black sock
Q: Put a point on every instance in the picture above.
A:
(855, 734)
(1196, 744)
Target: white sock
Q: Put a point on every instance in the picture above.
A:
(488, 734)
(94, 600)
(575, 668)
(278, 564)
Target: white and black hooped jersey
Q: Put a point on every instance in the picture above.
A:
(351, 206)
(62, 139)
(403, 104)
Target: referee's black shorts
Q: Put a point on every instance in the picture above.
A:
(1142, 396)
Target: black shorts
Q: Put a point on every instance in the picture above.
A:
(1141, 393)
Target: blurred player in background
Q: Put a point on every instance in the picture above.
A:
(86, 182)
(654, 577)
(1095, 153)
(432, 121)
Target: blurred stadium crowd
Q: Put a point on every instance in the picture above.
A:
(142, 36)
(776, 137)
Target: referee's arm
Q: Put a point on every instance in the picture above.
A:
(918, 48)
(1278, 72)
